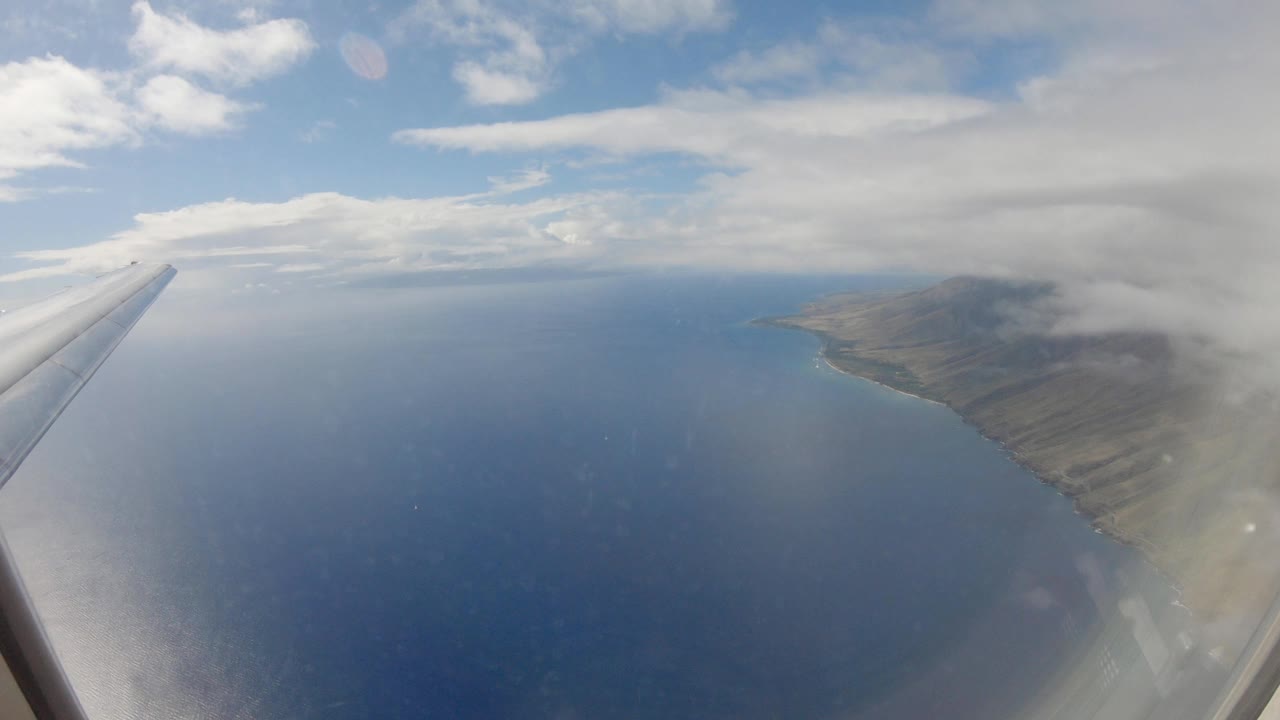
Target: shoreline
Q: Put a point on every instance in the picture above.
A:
(1108, 531)
(822, 354)
(1144, 553)
(1095, 521)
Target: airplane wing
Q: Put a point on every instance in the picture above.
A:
(48, 351)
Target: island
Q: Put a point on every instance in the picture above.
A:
(1138, 436)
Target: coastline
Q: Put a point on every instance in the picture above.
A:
(1107, 420)
(1096, 521)
(822, 354)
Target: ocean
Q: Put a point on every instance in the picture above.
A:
(606, 497)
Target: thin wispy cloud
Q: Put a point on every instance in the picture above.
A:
(523, 180)
(714, 125)
(319, 130)
(508, 53)
(896, 56)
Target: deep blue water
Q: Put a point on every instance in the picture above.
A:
(585, 499)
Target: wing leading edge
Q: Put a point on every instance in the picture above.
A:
(50, 349)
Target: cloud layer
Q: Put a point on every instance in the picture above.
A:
(50, 108)
(336, 237)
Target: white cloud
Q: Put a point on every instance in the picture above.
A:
(49, 107)
(175, 104)
(727, 127)
(360, 222)
(494, 87)
(501, 60)
(780, 62)
(236, 57)
(653, 16)
(337, 234)
(249, 14)
(11, 193)
(301, 268)
(508, 53)
(523, 180)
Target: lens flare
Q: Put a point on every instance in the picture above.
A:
(363, 55)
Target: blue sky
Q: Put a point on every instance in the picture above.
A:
(1126, 151)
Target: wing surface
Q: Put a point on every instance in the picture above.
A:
(50, 349)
